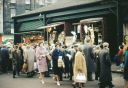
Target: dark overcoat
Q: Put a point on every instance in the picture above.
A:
(126, 65)
(55, 55)
(105, 66)
(89, 56)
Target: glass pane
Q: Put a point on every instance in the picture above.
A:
(41, 2)
(13, 1)
(27, 10)
(27, 1)
(13, 12)
(12, 28)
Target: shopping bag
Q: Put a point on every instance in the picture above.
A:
(35, 65)
(25, 67)
(81, 78)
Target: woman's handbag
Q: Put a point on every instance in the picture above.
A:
(81, 78)
(25, 67)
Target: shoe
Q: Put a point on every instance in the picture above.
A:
(111, 86)
(42, 81)
(58, 83)
(14, 76)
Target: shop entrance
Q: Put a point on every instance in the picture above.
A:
(89, 29)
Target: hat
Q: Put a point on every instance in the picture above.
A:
(105, 44)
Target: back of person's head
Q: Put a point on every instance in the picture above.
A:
(105, 44)
(87, 40)
(79, 49)
(101, 46)
(121, 46)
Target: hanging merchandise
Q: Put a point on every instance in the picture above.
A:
(86, 29)
(92, 34)
(78, 28)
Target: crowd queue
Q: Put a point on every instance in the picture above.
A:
(76, 62)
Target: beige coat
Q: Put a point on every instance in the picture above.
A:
(29, 56)
(80, 64)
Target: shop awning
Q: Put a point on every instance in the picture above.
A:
(91, 20)
(50, 25)
(30, 26)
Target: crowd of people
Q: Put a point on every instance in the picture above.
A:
(65, 61)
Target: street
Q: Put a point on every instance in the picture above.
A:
(6, 81)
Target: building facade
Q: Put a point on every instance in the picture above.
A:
(10, 8)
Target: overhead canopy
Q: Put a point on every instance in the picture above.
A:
(30, 26)
(91, 20)
(50, 25)
(59, 5)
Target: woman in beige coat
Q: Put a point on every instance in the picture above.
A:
(80, 64)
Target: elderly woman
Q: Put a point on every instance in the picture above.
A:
(79, 64)
(105, 67)
(41, 61)
(29, 55)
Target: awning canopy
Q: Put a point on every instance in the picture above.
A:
(50, 25)
(91, 20)
(30, 26)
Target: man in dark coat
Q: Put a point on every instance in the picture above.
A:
(4, 58)
(105, 68)
(16, 61)
(89, 56)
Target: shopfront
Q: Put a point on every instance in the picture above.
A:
(76, 18)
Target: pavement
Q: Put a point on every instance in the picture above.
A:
(116, 69)
(6, 81)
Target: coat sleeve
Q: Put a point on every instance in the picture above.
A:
(25, 56)
(38, 56)
(107, 59)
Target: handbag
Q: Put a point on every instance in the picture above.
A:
(25, 67)
(81, 78)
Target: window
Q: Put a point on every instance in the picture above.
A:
(27, 1)
(13, 12)
(48, 1)
(41, 2)
(13, 1)
(12, 28)
(27, 10)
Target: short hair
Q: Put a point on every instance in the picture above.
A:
(121, 46)
(79, 49)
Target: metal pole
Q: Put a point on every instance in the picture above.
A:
(117, 16)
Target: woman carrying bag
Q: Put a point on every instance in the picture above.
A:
(80, 70)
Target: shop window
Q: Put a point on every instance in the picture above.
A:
(48, 1)
(12, 28)
(13, 1)
(27, 1)
(27, 10)
(41, 2)
(27, 6)
(13, 12)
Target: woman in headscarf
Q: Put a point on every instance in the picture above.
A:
(79, 64)
(29, 55)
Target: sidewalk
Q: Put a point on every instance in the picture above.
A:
(116, 69)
